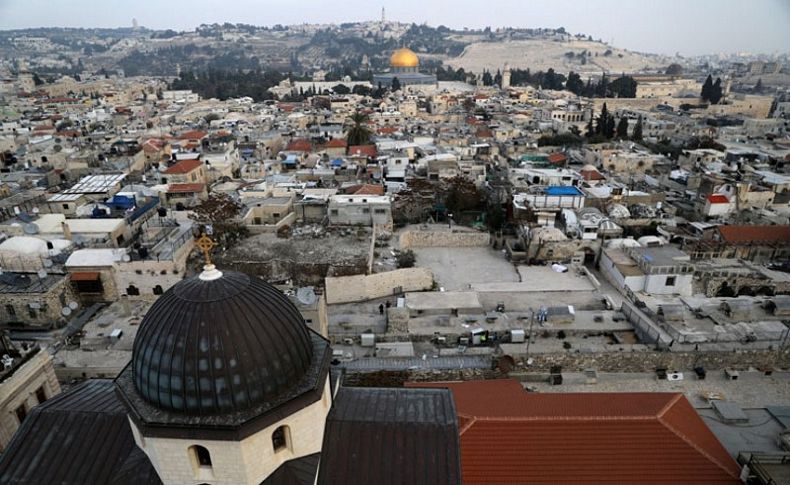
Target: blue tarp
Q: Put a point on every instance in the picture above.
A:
(337, 162)
(562, 190)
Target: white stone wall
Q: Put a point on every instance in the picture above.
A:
(151, 274)
(655, 284)
(429, 239)
(346, 289)
(249, 461)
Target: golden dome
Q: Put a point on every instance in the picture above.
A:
(404, 58)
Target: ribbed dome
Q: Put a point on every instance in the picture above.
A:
(218, 346)
(404, 58)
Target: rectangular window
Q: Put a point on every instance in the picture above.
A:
(366, 210)
(66, 206)
(21, 413)
(670, 281)
(41, 395)
(380, 211)
(334, 212)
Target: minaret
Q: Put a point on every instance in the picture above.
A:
(506, 76)
(383, 17)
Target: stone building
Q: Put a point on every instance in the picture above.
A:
(34, 301)
(228, 385)
(28, 379)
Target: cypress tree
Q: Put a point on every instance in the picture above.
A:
(590, 128)
(716, 92)
(706, 88)
(622, 128)
(637, 135)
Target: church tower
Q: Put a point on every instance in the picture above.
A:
(227, 383)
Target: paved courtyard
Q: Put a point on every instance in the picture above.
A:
(457, 268)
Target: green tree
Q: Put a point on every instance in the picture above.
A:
(395, 84)
(358, 133)
(716, 91)
(488, 80)
(406, 259)
(624, 87)
(574, 84)
(637, 134)
(707, 88)
(341, 89)
(674, 70)
(590, 131)
(622, 128)
(603, 121)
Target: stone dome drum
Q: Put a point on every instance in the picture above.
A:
(219, 345)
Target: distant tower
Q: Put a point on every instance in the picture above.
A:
(135, 26)
(383, 17)
(506, 76)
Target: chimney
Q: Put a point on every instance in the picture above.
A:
(66, 230)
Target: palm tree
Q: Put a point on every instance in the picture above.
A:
(358, 133)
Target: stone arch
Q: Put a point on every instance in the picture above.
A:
(725, 290)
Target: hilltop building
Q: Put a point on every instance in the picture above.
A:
(405, 66)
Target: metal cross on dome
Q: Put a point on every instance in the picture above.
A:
(206, 244)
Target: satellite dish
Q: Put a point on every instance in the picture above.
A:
(73, 305)
(47, 263)
(30, 228)
(306, 295)
(126, 258)
(42, 273)
(36, 210)
(66, 311)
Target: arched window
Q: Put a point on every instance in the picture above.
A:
(132, 290)
(158, 290)
(201, 461)
(281, 438)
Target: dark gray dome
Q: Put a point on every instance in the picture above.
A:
(218, 346)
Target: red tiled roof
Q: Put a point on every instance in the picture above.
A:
(754, 234)
(484, 132)
(366, 150)
(367, 189)
(299, 146)
(718, 199)
(387, 130)
(557, 157)
(591, 175)
(185, 188)
(336, 143)
(509, 436)
(192, 135)
(184, 166)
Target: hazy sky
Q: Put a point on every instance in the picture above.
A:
(664, 26)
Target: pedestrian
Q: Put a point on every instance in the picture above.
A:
(381, 309)
(388, 304)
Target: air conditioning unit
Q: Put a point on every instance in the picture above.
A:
(441, 340)
(348, 341)
(368, 339)
(463, 341)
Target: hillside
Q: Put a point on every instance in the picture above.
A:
(542, 54)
